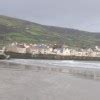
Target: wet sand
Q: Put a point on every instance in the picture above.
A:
(26, 84)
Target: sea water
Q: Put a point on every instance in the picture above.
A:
(58, 63)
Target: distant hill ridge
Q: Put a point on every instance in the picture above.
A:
(13, 29)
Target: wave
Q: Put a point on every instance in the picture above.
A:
(58, 63)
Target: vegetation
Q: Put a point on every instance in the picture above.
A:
(12, 29)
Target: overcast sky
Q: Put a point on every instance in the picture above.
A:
(78, 14)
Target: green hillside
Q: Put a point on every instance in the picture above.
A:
(12, 29)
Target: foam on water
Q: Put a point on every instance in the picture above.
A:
(59, 63)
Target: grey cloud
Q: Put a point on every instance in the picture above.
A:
(79, 14)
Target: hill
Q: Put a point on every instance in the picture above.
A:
(12, 29)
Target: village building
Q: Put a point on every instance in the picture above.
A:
(39, 49)
(16, 48)
(97, 48)
(32, 50)
(48, 49)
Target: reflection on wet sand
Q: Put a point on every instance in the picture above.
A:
(40, 82)
(88, 73)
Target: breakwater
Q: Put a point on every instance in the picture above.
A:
(51, 57)
(88, 73)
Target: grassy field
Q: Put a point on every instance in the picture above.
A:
(12, 29)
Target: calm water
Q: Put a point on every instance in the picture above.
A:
(58, 63)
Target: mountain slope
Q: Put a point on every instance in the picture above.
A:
(12, 29)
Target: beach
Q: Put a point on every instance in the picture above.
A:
(24, 82)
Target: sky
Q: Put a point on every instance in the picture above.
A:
(77, 14)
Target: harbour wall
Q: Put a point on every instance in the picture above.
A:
(51, 57)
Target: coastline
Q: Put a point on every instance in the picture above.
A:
(87, 73)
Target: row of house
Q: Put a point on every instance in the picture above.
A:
(29, 48)
(48, 49)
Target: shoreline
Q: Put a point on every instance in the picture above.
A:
(87, 73)
(26, 84)
(39, 82)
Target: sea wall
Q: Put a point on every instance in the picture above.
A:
(50, 56)
(87, 73)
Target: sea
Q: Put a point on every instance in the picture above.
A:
(58, 63)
